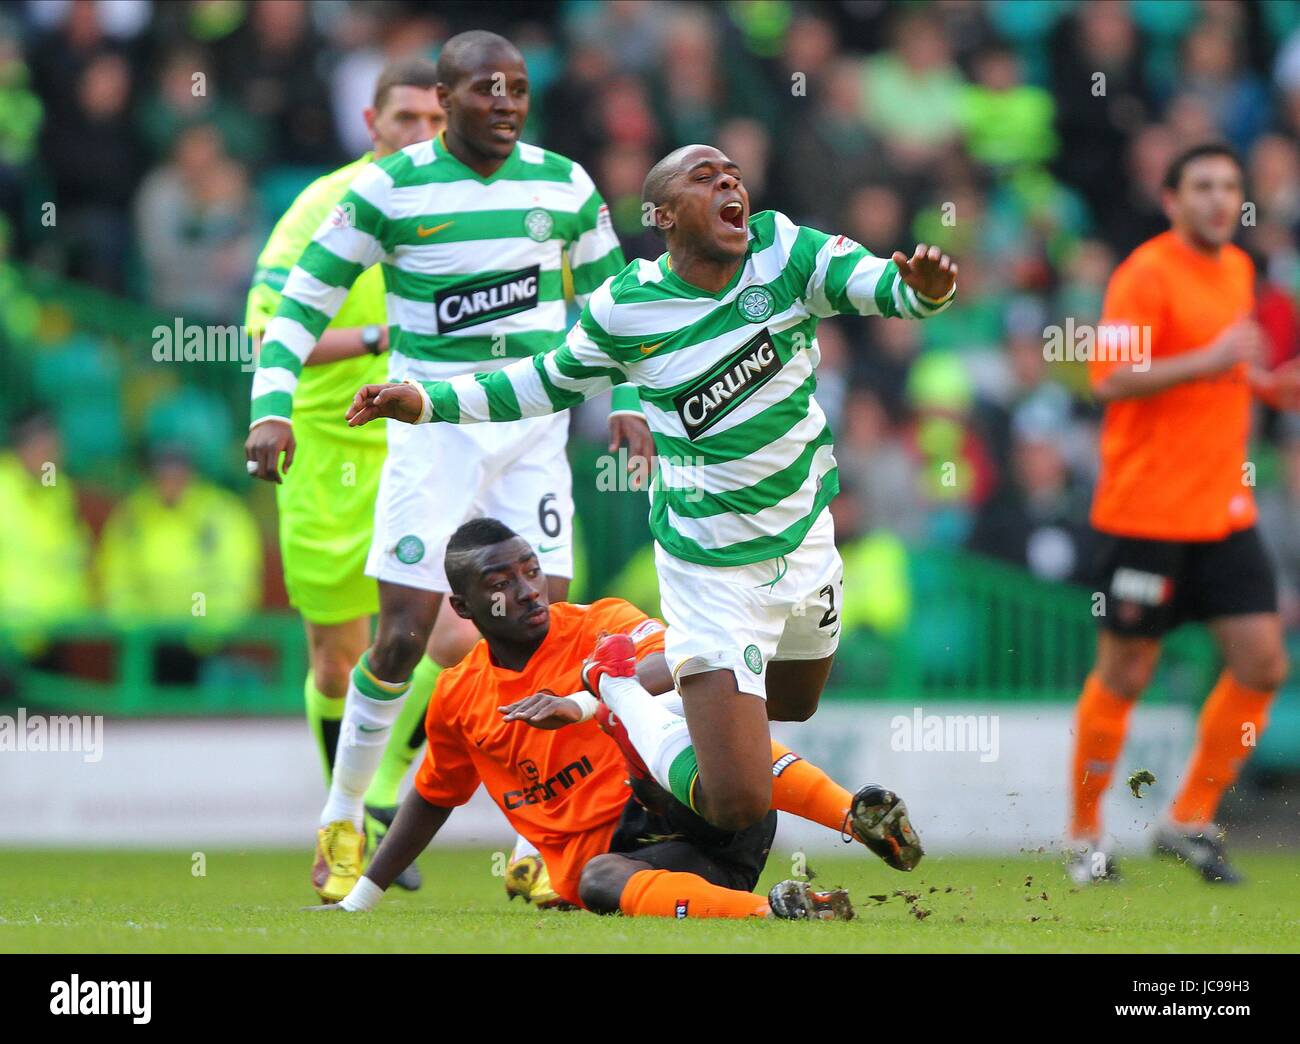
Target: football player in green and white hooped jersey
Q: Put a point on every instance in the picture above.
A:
(718, 335)
(470, 231)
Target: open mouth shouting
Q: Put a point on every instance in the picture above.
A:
(732, 215)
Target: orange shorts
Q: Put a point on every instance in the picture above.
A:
(565, 862)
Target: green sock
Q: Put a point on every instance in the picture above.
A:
(323, 718)
(402, 745)
(682, 776)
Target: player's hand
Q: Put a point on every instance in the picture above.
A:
(263, 447)
(1286, 379)
(929, 271)
(631, 430)
(543, 711)
(399, 401)
(1278, 388)
(1243, 341)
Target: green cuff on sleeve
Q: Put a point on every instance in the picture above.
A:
(625, 399)
(273, 404)
(443, 403)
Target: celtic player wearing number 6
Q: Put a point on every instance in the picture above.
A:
(470, 231)
(718, 336)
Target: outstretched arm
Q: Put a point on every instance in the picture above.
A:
(847, 279)
(548, 383)
(415, 825)
(545, 711)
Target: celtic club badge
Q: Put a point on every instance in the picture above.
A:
(756, 304)
(410, 549)
(539, 224)
(754, 659)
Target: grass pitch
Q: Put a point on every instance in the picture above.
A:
(115, 902)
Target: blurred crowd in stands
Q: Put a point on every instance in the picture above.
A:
(1028, 137)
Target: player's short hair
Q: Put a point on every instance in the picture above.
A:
(655, 188)
(407, 72)
(1174, 175)
(472, 535)
(465, 50)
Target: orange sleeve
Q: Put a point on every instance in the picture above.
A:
(619, 617)
(446, 776)
(1135, 303)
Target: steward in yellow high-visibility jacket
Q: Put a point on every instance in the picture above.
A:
(45, 549)
(180, 550)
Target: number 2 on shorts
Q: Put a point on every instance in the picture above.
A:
(830, 616)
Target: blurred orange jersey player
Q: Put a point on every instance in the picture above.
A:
(1177, 365)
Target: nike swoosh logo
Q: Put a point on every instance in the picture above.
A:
(377, 728)
(646, 349)
(480, 741)
(543, 549)
(423, 232)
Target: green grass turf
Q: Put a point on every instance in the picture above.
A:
(76, 901)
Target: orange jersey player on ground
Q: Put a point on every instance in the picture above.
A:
(503, 717)
(1176, 365)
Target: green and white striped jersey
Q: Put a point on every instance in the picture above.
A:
(472, 266)
(726, 381)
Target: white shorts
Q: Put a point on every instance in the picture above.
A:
(437, 476)
(738, 618)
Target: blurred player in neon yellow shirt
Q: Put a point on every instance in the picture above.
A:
(327, 500)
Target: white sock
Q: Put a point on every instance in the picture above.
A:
(365, 895)
(658, 734)
(672, 702)
(523, 847)
(363, 735)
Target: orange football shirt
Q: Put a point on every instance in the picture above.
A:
(562, 789)
(1171, 463)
